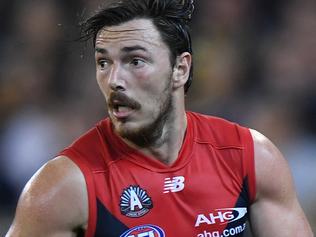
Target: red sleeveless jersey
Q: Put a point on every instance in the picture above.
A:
(205, 193)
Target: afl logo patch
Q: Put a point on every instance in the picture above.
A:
(144, 231)
(135, 202)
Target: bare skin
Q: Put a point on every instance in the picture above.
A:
(276, 210)
(54, 202)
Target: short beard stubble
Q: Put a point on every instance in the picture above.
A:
(150, 135)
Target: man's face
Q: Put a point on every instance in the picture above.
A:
(134, 74)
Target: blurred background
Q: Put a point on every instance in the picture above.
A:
(254, 64)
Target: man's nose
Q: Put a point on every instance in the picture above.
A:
(116, 80)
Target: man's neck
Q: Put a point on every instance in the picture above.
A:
(166, 149)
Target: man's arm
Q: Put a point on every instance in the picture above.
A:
(276, 211)
(53, 203)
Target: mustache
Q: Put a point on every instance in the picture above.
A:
(119, 98)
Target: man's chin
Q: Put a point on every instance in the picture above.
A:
(140, 136)
(125, 129)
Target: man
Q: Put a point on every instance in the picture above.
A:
(151, 168)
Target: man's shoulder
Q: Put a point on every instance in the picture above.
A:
(59, 174)
(56, 195)
(218, 130)
(211, 120)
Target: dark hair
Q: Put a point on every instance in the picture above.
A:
(171, 17)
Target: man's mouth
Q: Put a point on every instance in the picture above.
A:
(121, 105)
(122, 111)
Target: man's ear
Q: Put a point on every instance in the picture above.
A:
(181, 70)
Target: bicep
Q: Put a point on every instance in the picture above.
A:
(276, 211)
(52, 203)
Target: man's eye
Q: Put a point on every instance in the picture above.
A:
(102, 63)
(137, 62)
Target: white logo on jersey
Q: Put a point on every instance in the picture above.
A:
(221, 216)
(175, 184)
(135, 202)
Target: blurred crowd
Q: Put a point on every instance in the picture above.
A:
(254, 64)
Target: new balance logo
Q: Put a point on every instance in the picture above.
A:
(173, 185)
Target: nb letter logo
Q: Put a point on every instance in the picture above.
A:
(175, 184)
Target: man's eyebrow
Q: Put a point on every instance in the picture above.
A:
(126, 49)
(133, 48)
(101, 50)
